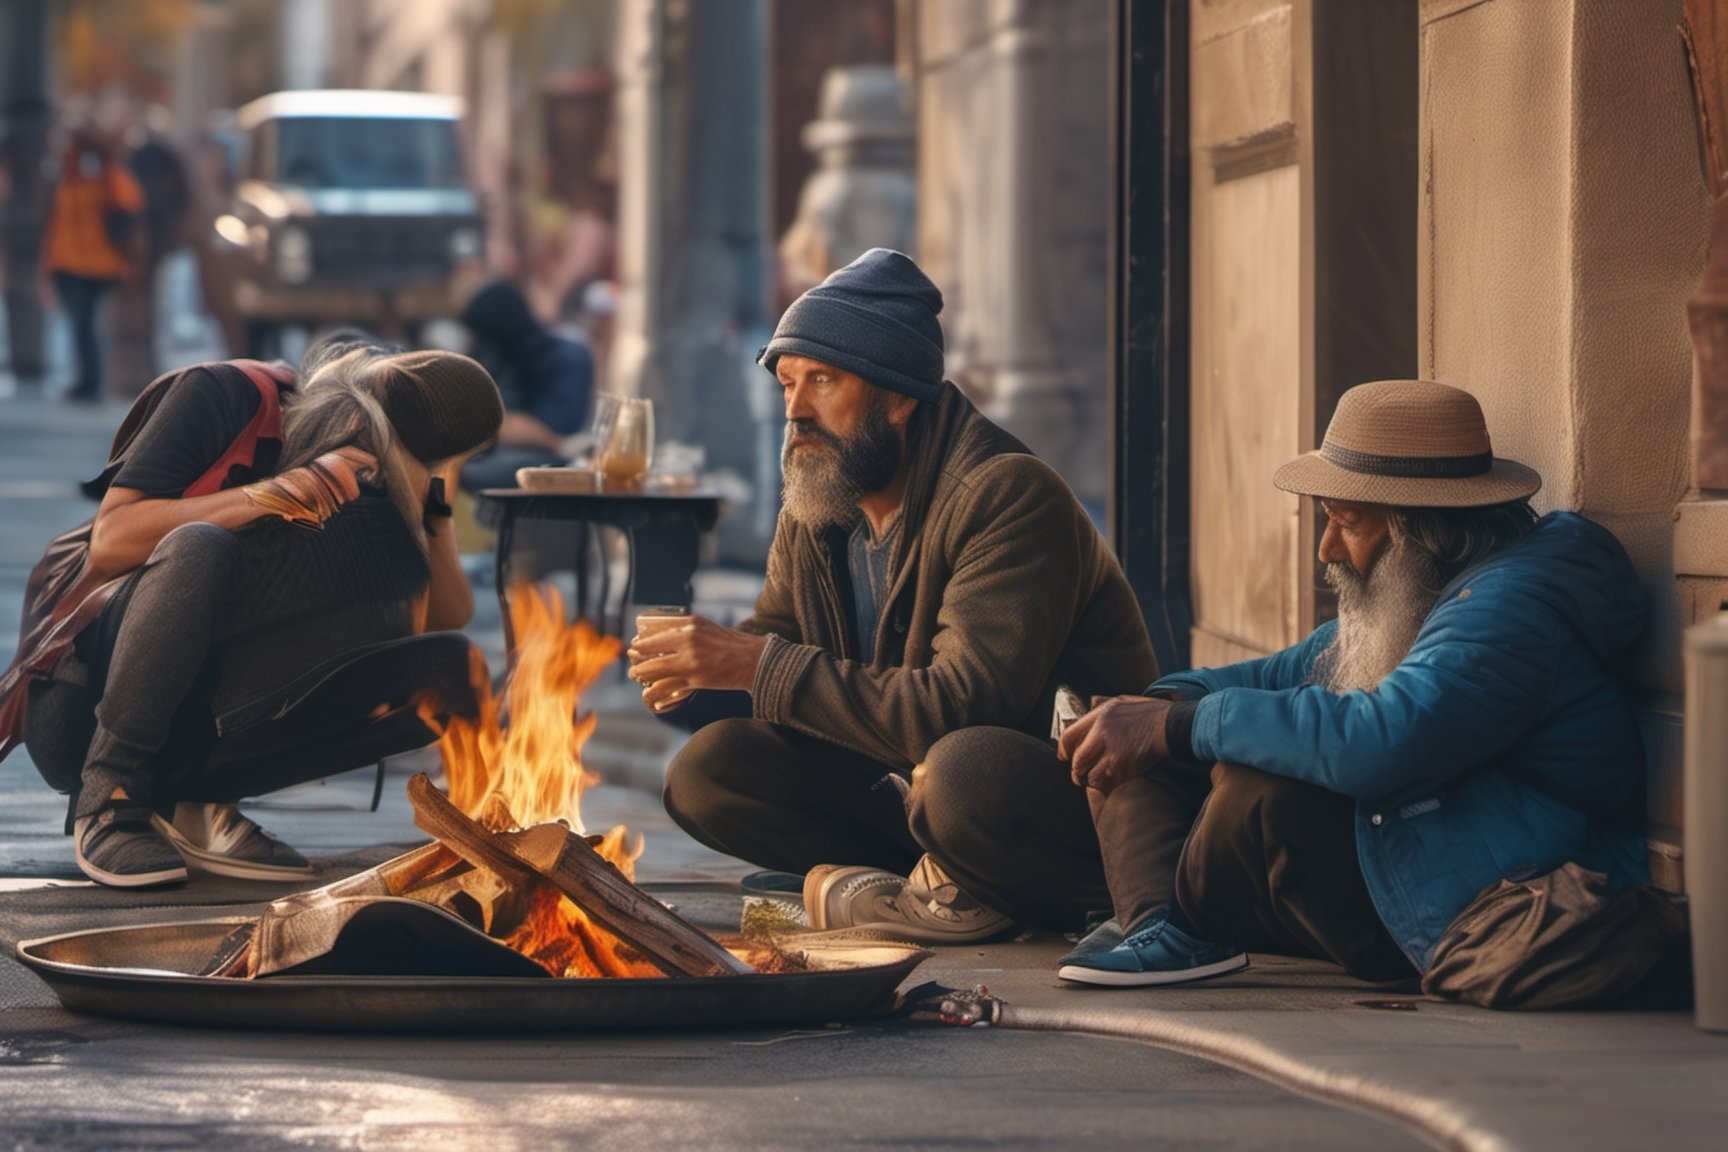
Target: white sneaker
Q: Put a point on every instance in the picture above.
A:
(926, 907)
(216, 838)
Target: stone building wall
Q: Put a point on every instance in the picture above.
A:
(1563, 221)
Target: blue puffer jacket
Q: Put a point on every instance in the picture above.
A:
(1500, 746)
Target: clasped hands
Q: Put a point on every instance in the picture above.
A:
(1119, 738)
(673, 656)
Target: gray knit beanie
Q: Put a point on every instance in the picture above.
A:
(876, 317)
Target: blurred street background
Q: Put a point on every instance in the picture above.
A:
(658, 178)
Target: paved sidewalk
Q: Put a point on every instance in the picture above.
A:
(1285, 1054)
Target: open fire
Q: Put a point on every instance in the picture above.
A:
(511, 859)
(530, 772)
(474, 930)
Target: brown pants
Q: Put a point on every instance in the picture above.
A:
(1261, 862)
(993, 806)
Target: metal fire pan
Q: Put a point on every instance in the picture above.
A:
(147, 972)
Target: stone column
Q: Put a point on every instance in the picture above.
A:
(1013, 113)
(692, 242)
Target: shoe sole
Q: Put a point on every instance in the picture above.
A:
(904, 932)
(131, 880)
(1103, 977)
(217, 864)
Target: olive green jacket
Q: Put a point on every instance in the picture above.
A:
(1001, 589)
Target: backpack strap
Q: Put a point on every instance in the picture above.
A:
(54, 610)
(266, 424)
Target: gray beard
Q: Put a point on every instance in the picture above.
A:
(1379, 616)
(816, 491)
(822, 489)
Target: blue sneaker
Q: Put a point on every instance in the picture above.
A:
(1101, 939)
(1155, 953)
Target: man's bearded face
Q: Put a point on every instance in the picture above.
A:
(1378, 616)
(826, 475)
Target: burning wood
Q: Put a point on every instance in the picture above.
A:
(586, 878)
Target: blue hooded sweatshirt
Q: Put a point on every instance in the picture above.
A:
(1501, 746)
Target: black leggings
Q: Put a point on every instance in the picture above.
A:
(142, 721)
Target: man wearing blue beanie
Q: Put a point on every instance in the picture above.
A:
(929, 575)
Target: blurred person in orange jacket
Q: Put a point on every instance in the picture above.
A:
(96, 206)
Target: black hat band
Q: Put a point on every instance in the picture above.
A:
(1408, 467)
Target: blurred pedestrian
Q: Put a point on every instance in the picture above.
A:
(92, 226)
(546, 380)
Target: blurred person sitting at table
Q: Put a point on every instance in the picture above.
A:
(927, 574)
(546, 379)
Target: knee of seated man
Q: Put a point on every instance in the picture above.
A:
(1240, 792)
(196, 543)
(717, 755)
(952, 784)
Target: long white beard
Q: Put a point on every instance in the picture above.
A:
(1379, 616)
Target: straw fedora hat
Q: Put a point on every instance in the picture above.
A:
(1410, 444)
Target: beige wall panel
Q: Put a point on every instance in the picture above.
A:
(1245, 407)
(947, 28)
(1211, 19)
(1640, 219)
(1432, 10)
(1494, 225)
(1210, 650)
(1242, 80)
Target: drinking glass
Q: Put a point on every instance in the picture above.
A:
(624, 442)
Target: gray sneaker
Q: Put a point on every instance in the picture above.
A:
(926, 907)
(216, 838)
(117, 846)
(847, 896)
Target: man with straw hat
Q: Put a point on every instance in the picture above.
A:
(1458, 723)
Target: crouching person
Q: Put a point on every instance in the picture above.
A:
(1458, 724)
(927, 574)
(266, 631)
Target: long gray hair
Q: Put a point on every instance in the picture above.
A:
(1457, 538)
(328, 410)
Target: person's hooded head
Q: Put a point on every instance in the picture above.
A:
(503, 324)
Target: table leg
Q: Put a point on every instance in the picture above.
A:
(501, 571)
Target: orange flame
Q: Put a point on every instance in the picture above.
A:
(533, 768)
(531, 773)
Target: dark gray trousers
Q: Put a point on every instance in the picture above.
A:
(993, 806)
(142, 721)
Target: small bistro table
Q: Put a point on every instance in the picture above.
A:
(663, 533)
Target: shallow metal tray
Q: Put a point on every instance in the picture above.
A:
(146, 973)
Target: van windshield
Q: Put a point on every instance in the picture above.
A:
(367, 152)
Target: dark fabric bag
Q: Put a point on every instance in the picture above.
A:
(1560, 940)
(61, 597)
